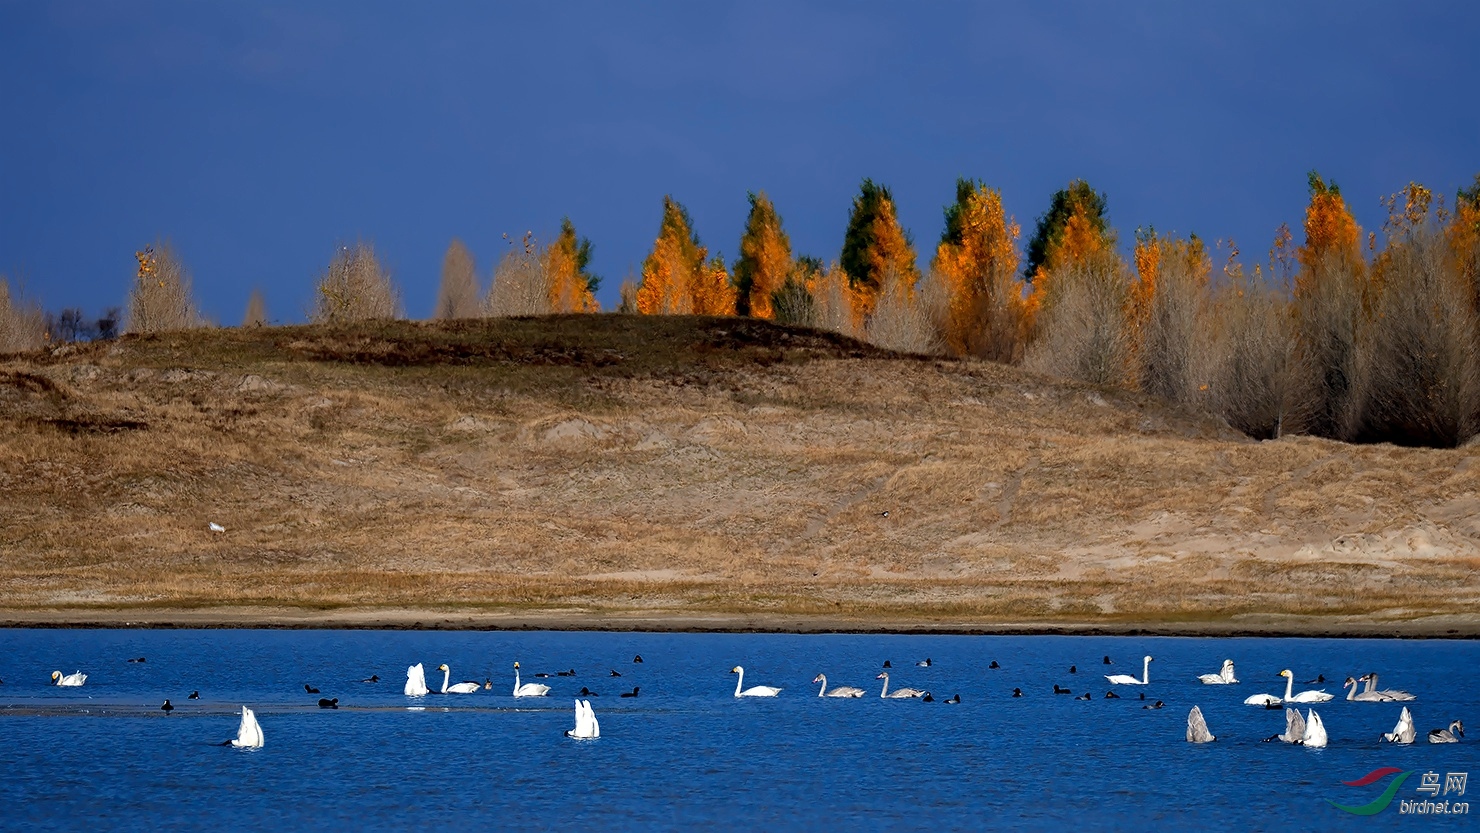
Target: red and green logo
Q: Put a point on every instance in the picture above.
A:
(1380, 803)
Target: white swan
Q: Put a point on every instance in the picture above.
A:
(1294, 728)
(1315, 730)
(416, 681)
(1126, 679)
(460, 688)
(586, 726)
(1197, 728)
(899, 693)
(528, 689)
(1223, 677)
(1404, 731)
(1307, 696)
(1384, 693)
(68, 680)
(249, 734)
(1455, 731)
(753, 691)
(1363, 696)
(840, 691)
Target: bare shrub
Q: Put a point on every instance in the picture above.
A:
(900, 321)
(355, 288)
(1082, 329)
(521, 283)
(1243, 355)
(1168, 331)
(22, 325)
(160, 298)
(834, 301)
(792, 302)
(1417, 369)
(627, 300)
(457, 295)
(256, 315)
(1328, 310)
(994, 327)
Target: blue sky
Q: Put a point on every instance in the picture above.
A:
(258, 136)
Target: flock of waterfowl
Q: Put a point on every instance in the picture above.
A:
(1307, 730)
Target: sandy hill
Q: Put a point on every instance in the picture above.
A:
(670, 471)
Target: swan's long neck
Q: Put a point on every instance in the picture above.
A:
(516, 679)
(1289, 686)
(823, 690)
(446, 674)
(885, 691)
(739, 681)
(1146, 671)
(1351, 689)
(1371, 682)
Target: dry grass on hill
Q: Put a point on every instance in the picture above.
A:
(676, 466)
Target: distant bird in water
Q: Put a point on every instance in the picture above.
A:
(373, 678)
(1073, 670)
(994, 664)
(487, 684)
(954, 699)
(1084, 696)
(614, 673)
(586, 692)
(632, 693)
(1158, 704)
(310, 689)
(927, 698)
(924, 663)
(1017, 692)
(542, 674)
(1143, 695)
(637, 658)
(167, 708)
(194, 695)
(570, 673)
(138, 659)
(326, 703)
(1107, 660)
(1057, 690)
(887, 665)
(1320, 678)
(1110, 695)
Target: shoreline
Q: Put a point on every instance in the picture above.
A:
(1451, 626)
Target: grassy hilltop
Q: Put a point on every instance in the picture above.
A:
(625, 470)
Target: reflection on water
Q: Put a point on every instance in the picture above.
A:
(686, 752)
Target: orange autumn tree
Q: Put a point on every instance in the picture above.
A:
(765, 259)
(678, 276)
(1071, 233)
(877, 250)
(572, 286)
(1463, 234)
(977, 258)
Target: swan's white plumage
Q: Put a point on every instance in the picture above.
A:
(416, 681)
(249, 733)
(1404, 731)
(1452, 734)
(1387, 694)
(1294, 727)
(1315, 731)
(466, 687)
(586, 726)
(71, 680)
(898, 693)
(1223, 677)
(1126, 679)
(753, 691)
(528, 689)
(1197, 728)
(1308, 696)
(1360, 696)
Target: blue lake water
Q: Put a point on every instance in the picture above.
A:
(685, 752)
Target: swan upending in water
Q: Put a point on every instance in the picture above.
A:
(840, 691)
(1294, 728)
(1315, 730)
(528, 689)
(459, 688)
(416, 681)
(753, 691)
(586, 726)
(899, 693)
(1223, 677)
(1455, 731)
(1126, 679)
(77, 679)
(249, 734)
(1404, 731)
(1197, 728)
(1386, 694)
